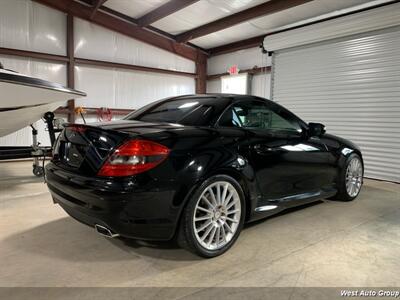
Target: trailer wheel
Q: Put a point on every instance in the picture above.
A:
(38, 171)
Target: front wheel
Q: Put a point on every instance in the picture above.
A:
(213, 217)
(351, 179)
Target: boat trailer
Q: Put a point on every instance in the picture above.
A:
(35, 151)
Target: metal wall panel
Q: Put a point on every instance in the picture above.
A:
(244, 59)
(214, 86)
(31, 26)
(95, 42)
(260, 85)
(115, 88)
(352, 85)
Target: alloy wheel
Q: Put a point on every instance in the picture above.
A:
(354, 173)
(217, 215)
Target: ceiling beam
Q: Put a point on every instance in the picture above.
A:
(35, 55)
(154, 29)
(96, 6)
(258, 40)
(236, 46)
(164, 10)
(106, 64)
(116, 24)
(264, 9)
(71, 61)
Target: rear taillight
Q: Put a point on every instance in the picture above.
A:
(134, 157)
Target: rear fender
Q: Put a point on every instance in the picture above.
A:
(243, 174)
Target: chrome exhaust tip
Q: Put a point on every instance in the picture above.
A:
(104, 231)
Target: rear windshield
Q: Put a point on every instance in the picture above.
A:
(183, 111)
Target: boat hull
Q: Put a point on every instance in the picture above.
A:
(15, 119)
(24, 99)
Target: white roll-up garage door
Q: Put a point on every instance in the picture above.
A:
(352, 85)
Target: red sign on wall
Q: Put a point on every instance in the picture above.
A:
(234, 70)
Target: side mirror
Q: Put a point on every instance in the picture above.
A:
(316, 129)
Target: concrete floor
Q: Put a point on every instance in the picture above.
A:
(329, 244)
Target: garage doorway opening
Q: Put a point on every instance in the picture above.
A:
(236, 84)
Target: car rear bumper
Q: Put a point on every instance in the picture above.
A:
(119, 205)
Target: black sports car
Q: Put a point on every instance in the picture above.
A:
(196, 168)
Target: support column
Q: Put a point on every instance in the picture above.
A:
(201, 71)
(70, 66)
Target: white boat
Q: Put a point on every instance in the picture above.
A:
(24, 99)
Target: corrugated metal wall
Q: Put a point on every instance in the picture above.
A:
(95, 42)
(115, 88)
(352, 85)
(30, 26)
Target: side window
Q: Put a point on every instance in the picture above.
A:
(256, 115)
(278, 122)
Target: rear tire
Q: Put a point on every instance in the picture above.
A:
(350, 179)
(213, 217)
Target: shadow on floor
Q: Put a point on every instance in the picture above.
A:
(68, 239)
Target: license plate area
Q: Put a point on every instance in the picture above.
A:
(72, 154)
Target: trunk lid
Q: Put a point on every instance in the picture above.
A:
(83, 149)
(135, 127)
